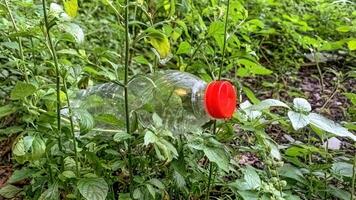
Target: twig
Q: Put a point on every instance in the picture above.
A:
(319, 71)
(332, 95)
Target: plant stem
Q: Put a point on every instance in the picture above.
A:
(219, 77)
(353, 179)
(209, 180)
(18, 39)
(327, 160)
(72, 129)
(127, 114)
(319, 71)
(54, 56)
(193, 55)
(309, 143)
(225, 35)
(332, 95)
(210, 168)
(49, 169)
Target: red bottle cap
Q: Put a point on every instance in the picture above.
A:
(220, 99)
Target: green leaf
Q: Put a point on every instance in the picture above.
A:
(296, 151)
(259, 70)
(351, 96)
(21, 174)
(106, 2)
(69, 174)
(218, 156)
(18, 148)
(344, 29)
(109, 119)
(22, 90)
(184, 48)
(342, 168)
(339, 193)
(11, 130)
(93, 188)
(51, 193)
(248, 195)
(301, 104)
(216, 29)
(160, 43)
(9, 191)
(298, 120)
(274, 149)
(121, 136)
(28, 141)
(157, 183)
(71, 52)
(57, 11)
(291, 197)
(250, 95)
(71, 7)
(301, 150)
(6, 110)
(137, 194)
(151, 190)
(267, 103)
(86, 120)
(330, 126)
(351, 45)
(247, 111)
(28, 148)
(309, 41)
(10, 45)
(38, 148)
(254, 68)
(124, 196)
(157, 120)
(74, 30)
(165, 150)
(251, 178)
(291, 172)
(150, 138)
(237, 11)
(69, 164)
(179, 180)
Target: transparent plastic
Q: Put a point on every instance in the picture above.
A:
(176, 97)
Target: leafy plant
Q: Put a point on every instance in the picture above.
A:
(278, 144)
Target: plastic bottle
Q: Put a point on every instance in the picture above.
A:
(183, 101)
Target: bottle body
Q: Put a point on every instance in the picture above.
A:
(176, 97)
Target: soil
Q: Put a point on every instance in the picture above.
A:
(328, 101)
(6, 167)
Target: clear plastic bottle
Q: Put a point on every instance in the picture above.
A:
(183, 101)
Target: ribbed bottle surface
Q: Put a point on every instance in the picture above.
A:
(176, 97)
